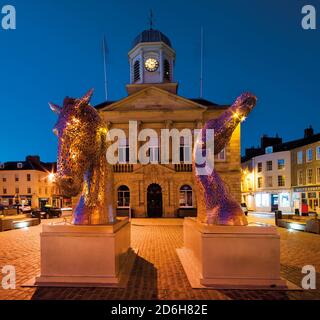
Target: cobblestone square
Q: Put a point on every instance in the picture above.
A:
(157, 272)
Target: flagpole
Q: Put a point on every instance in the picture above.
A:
(201, 65)
(105, 67)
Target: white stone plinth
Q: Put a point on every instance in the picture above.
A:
(231, 256)
(85, 255)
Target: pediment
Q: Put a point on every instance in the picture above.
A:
(154, 99)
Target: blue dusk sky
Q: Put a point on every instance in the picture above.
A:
(249, 45)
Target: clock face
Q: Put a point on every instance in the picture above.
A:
(151, 64)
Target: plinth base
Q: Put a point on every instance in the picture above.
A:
(231, 257)
(86, 256)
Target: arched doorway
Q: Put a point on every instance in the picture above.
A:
(154, 201)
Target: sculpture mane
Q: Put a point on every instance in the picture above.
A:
(215, 203)
(82, 166)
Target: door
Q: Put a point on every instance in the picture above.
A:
(154, 201)
(274, 202)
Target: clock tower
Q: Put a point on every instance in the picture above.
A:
(151, 62)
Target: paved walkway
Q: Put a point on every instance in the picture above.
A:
(157, 273)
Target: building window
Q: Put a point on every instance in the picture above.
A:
(1, 165)
(300, 177)
(309, 155)
(136, 71)
(318, 152)
(154, 150)
(123, 197)
(318, 175)
(269, 165)
(269, 182)
(309, 176)
(28, 177)
(29, 190)
(185, 199)
(167, 70)
(300, 157)
(221, 156)
(281, 164)
(4, 179)
(40, 191)
(4, 190)
(16, 178)
(281, 181)
(123, 151)
(46, 190)
(19, 165)
(269, 149)
(260, 182)
(17, 190)
(185, 150)
(259, 166)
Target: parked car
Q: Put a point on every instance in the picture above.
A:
(25, 209)
(244, 208)
(46, 213)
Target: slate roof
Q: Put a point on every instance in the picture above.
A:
(30, 163)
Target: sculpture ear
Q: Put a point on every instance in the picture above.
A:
(55, 108)
(87, 97)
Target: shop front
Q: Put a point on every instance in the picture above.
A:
(273, 200)
(307, 199)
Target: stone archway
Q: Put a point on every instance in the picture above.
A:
(154, 201)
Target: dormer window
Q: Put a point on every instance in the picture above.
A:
(136, 71)
(19, 165)
(1, 165)
(167, 70)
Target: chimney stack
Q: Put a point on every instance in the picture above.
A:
(308, 132)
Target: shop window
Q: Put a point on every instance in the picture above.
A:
(262, 199)
(284, 200)
(185, 199)
(123, 197)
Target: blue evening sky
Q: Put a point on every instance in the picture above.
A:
(255, 45)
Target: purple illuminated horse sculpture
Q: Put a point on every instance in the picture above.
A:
(82, 165)
(215, 203)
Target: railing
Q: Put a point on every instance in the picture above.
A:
(183, 167)
(122, 168)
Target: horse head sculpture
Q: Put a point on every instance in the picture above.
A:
(82, 166)
(215, 203)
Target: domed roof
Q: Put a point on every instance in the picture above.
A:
(151, 36)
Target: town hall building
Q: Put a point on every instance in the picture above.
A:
(155, 189)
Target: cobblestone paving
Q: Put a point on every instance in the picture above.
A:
(157, 272)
